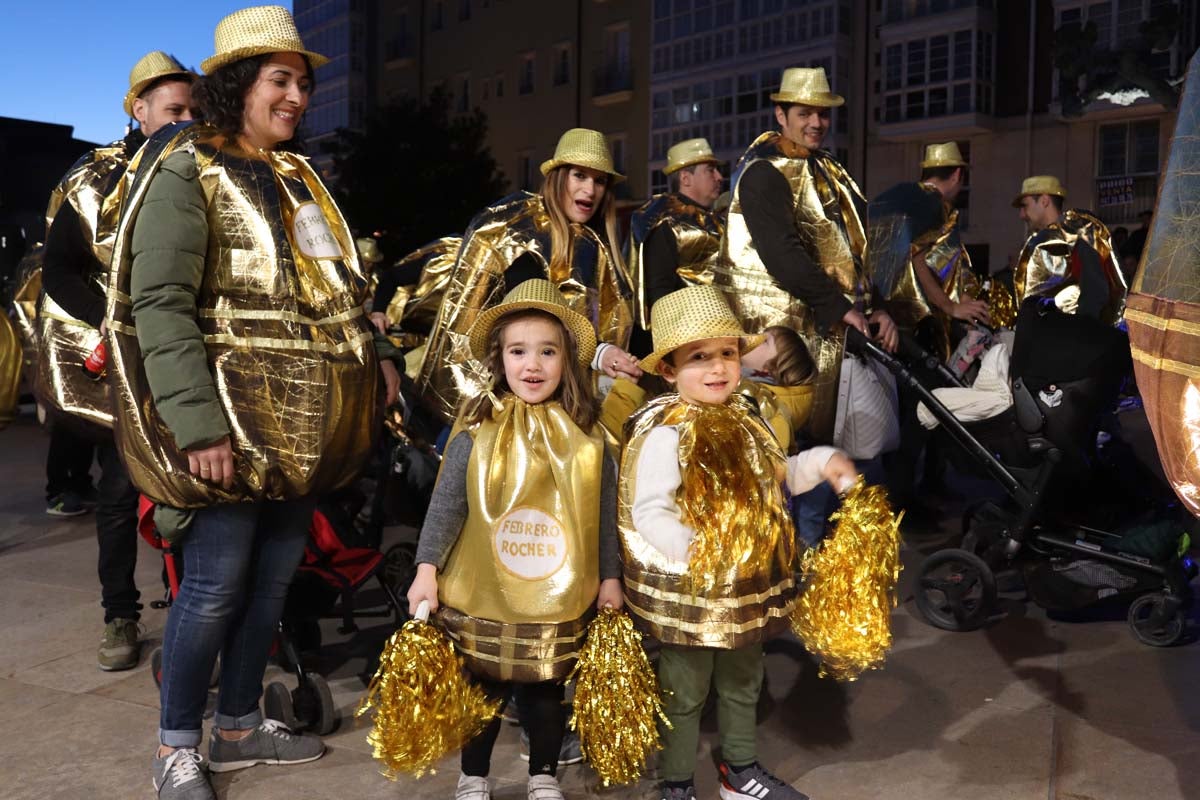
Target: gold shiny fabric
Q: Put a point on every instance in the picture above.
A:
(697, 233)
(520, 584)
(1047, 266)
(10, 370)
(496, 238)
(1164, 307)
(415, 308)
(281, 314)
(25, 300)
(94, 186)
(753, 594)
(784, 408)
(829, 211)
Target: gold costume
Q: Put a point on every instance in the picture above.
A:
(733, 592)
(829, 211)
(592, 284)
(415, 308)
(520, 585)
(1049, 266)
(697, 233)
(280, 311)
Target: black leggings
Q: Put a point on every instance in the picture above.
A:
(543, 716)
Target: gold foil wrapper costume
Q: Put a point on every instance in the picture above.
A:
(784, 408)
(24, 307)
(496, 238)
(520, 585)
(697, 233)
(737, 586)
(1049, 266)
(95, 187)
(281, 315)
(10, 370)
(829, 211)
(1163, 313)
(414, 309)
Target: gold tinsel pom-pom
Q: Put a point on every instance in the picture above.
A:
(844, 614)
(1002, 307)
(424, 707)
(617, 700)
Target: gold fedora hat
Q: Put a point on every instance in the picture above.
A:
(147, 70)
(368, 249)
(253, 32)
(693, 314)
(688, 152)
(540, 295)
(583, 147)
(945, 154)
(807, 86)
(1039, 184)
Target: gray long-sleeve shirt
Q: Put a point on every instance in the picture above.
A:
(448, 510)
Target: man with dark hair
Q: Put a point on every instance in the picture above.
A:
(79, 239)
(674, 236)
(1068, 255)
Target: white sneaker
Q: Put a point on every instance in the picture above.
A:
(471, 787)
(544, 787)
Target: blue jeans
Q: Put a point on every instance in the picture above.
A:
(238, 560)
(811, 509)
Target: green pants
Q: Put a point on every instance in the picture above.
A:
(685, 675)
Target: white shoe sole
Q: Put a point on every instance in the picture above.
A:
(231, 766)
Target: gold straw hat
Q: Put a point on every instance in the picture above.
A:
(147, 70)
(368, 249)
(688, 152)
(539, 294)
(946, 154)
(1039, 184)
(807, 86)
(253, 32)
(693, 314)
(583, 147)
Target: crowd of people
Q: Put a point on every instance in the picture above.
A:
(613, 413)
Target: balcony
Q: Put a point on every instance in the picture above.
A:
(611, 84)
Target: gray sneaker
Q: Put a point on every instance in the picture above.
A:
(181, 776)
(755, 783)
(272, 742)
(119, 649)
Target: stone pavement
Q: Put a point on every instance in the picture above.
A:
(1028, 709)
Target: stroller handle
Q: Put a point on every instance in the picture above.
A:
(422, 611)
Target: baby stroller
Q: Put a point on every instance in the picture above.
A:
(1050, 527)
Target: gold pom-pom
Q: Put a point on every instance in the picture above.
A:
(424, 707)
(1002, 306)
(617, 700)
(844, 615)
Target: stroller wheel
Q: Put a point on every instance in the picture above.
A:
(312, 702)
(277, 704)
(327, 713)
(398, 570)
(1156, 620)
(956, 590)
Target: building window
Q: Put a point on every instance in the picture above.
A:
(485, 91)
(438, 19)
(463, 98)
(464, 10)
(525, 170)
(932, 77)
(616, 75)
(526, 72)
(1129, 148)
(616, 143)
(499, 81)
(561, 68)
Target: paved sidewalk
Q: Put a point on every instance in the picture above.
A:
(1029, 709)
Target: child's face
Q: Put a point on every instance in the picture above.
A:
(706, 371)
(533, 354)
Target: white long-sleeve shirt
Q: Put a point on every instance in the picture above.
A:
(655, 512)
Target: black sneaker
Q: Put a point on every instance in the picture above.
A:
(755, 783)
(677, 793)
(66, 504)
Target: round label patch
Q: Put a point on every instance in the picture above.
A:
(530, 543)
(312, 235)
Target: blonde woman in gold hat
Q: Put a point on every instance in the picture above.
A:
(1068, 256)
(246, 381)
(520, 543)
(566, 233)
(75, 263)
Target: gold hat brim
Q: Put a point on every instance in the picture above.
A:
(585, 334)
(141, 85)
(1016, 203)
(215, 62)
(820, 99)
(748, 341)
(943, 162)
(691, 162)
(554, 163)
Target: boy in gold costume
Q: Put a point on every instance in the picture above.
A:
(707, 540)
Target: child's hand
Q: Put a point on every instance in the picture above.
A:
(840, 472)
(610, 595)
(424, 587)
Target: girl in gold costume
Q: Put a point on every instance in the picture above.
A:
(515, 571)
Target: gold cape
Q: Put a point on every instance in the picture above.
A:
(291, 355)
(1047, 265)
(495, 239)
(697, 233)
(754, 593)
(829, 211)
(520, 584)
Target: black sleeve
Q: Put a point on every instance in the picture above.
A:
(660, 265)
(385, 290)
(610, 541)
(68, 258)
(767, 205)
(1093, 283)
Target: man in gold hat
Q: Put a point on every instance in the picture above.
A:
(79, 237)
(674, 236)
(1068, 255)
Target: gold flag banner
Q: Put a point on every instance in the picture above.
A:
(1163, 310)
